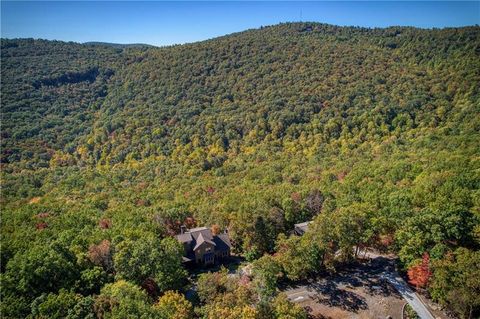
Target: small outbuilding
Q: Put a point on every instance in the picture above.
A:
(301, 228)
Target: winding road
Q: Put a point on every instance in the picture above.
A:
(408, 294)
(402, 287)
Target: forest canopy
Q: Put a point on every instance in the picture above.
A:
(371, 133)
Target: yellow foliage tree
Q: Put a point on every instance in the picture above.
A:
(173, 305)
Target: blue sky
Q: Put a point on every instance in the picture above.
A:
(164, 23)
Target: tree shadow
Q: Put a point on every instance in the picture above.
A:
(316, 316)
(319, 317)
(341, 289)
(330, 294)
(369, 276)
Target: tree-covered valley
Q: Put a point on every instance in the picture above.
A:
(374, 134)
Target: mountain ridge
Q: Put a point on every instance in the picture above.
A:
(329, 38)
(119, 45)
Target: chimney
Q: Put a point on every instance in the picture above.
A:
(183, 229)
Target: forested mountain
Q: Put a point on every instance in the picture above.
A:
(372, 133)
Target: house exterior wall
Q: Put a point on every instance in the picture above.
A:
(187, 247)
(202, 250)
(222, 254)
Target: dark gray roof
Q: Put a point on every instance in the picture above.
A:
(301, 228)
(184, 238)
(196, 237)
(201, 240)
(192, 234)
(193, 230)
(204, 231)
(222, 242)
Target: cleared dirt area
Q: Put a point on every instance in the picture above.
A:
(355, 292)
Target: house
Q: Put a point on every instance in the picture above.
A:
(202, 247)
(301, 228)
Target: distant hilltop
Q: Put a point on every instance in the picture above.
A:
(119, 45)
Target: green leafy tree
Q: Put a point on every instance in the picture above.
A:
(284, 309)
(212, 284)
(55, 306)
(121, 300)
(266, 272)
(84, 309)
(433, 230)
(41, 269)
(92, 280)
(353, 230)
(456, 282)
(147, 257)
(298, 257)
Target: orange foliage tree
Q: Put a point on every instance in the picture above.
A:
(420, 274)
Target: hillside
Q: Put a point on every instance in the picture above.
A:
(373, 133)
